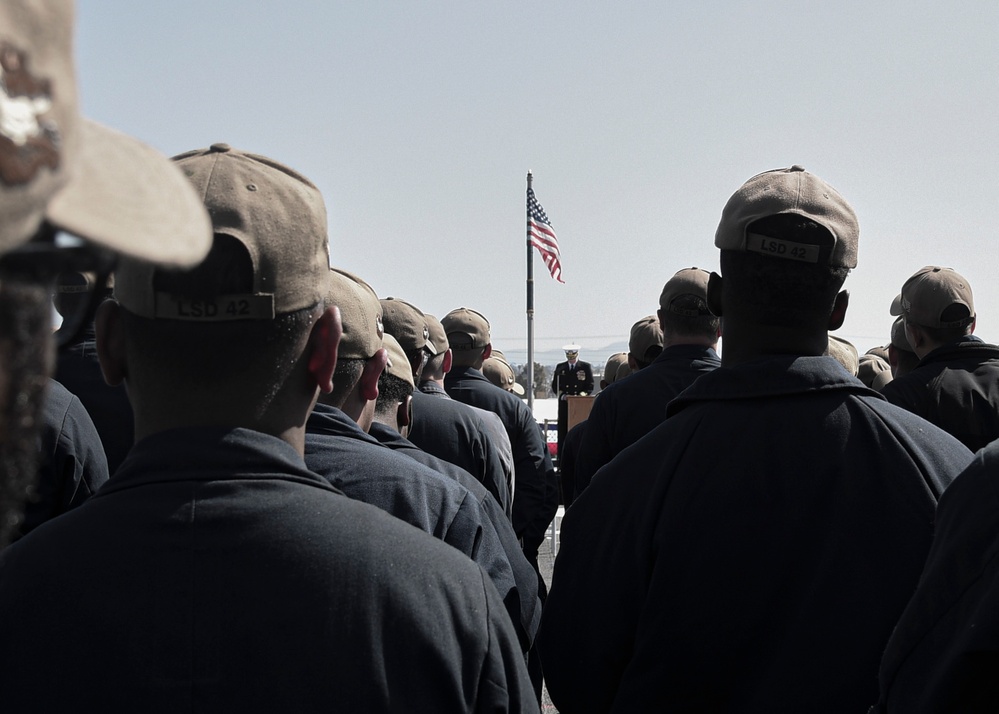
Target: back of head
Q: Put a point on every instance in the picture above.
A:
(788, 240)
(645, 342)
(614, 363)
(236, 323)
(683, 308)
(407, 324)
(434, 369)
(468, 334)
(939, 300)
(498, 371)
(363, 330)
(395, 385)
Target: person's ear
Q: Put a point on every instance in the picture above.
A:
(404, 413)
(487, 351)
(447, 363)
(715, 294)
(971, 327)
(373, 368)
(632, 362)
(839, 310)
(324, 341)
(111, 342)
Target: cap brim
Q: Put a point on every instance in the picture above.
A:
(128, 197)
(517, 388)
(896, 306)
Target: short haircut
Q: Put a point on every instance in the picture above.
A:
(392, 391)
(780, 292)
(434, 368)
(697, 322)
(348, 371)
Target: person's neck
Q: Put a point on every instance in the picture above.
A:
(745, 343)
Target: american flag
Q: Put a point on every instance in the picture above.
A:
(543, 236)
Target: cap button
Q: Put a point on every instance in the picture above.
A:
(220, 148)
(797, 167)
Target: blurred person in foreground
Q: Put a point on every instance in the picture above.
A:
(753, 552)
(62, 179)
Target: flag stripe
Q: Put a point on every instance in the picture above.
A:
(543, 236)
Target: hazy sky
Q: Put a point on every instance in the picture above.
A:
(419, 121)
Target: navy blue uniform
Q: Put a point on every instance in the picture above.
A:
(536, 488)
(216, 573)
(626, 411)
(78, 370)
(956, 387)
(944, 653)
(454, 508)
(71, 465)
(453, 432)
(752, 553)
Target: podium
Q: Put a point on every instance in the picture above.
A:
(579, 409)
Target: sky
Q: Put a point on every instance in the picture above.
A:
(419, 121)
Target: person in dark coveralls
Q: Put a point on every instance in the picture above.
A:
(624, 413)
(753, 552)
(956, 383)
(535, 484)
(73, 194)
(467, 436)
(439, 499)
(943, 655)
(450, 430)
(78, 370)
(215, 571)
(574, 377)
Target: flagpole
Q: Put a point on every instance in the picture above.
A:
(530, 303)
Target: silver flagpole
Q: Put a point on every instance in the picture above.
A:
(530, 307)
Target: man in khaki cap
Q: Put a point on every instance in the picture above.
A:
(956, 383)
(60, 172)
(624, 413)
(215, 571)
(362, 453)
(754, 551)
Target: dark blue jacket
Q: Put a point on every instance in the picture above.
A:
(535, 485)
(752, 553)
(451, 431)
(626, 411)
(944, 653)
(214, 572)
(956, 387)
(459, 512)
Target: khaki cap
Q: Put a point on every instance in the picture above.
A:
(79, 176)
(398, 363)
(645, 333)
(498, 371)
(437, 334)
(927, 294)
(613, 363)
(465, 321)
(360, 314)
(790, 190)
(844, 352)
(277, 214)
(689, 281)
(874, 371)
(407, 324)
(898, 339)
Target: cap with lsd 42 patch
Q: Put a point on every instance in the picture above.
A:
(792, 190)
(936, 297)
(74, 174)
(274, 212)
